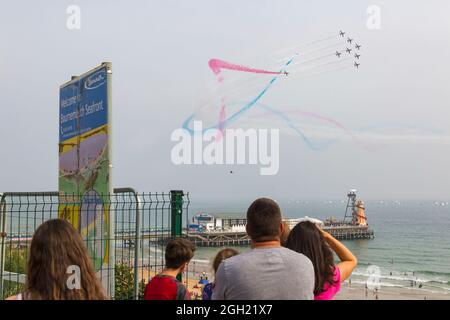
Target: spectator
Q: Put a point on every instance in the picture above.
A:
(268, 271)
(165, 285)
(315, 243)
(221, 255)
(59, 267)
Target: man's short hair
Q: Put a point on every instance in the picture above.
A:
(178, 252)
(263, 220)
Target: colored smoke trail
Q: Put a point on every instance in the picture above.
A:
(326, 119)
(357, 138)
(222, 117)
(217, 65)
(227, 121)
(314, 62)
(291, 123)
(224, 121)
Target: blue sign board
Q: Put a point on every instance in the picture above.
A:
(83, 105)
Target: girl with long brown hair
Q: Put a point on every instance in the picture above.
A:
(318, 246)
(221, 255)
(56, 250)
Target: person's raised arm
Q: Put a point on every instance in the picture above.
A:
(348, 260)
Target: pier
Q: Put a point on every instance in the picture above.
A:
(219, 239)
(208, 238)
(349, 232)
(241, 239)
(201, 239)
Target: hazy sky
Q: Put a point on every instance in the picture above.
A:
(397, 103)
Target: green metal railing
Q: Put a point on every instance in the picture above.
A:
(140, 224)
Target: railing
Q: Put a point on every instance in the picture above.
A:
(125, 233)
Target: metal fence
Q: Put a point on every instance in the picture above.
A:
(142, 223)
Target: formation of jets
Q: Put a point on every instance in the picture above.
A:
(349, 50)
(338, 54)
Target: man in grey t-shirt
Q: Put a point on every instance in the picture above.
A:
(268, 271)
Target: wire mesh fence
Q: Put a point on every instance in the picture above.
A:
(125, 234)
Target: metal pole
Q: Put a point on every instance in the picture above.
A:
(137, 239)
(176, 204)
(111, 218)
(2, 238)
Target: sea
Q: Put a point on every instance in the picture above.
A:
(411, 248)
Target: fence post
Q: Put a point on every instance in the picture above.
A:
(2, 239)
(137, 238)
(137, 247)
(176, 205)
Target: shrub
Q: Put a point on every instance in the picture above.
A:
(124, 283)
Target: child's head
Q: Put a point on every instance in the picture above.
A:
(222, 255)
(179, 252)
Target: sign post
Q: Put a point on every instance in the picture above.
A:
(85, 164)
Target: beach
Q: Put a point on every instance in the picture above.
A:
(358, 292)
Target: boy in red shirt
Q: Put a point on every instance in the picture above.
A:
(165, 285)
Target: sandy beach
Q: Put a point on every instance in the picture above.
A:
(358, 292)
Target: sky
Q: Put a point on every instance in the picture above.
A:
(396, 105)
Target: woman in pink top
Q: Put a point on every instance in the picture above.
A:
(318, 246)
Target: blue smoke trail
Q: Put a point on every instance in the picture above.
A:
(291, 124)
(238, 113)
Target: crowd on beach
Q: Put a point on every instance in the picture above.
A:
(284, 264)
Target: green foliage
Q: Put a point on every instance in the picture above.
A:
(12, 288)
(16, 262)
(124, 283)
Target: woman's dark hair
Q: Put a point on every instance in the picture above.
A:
(55, 247)
(222, 255)
(307, 239)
